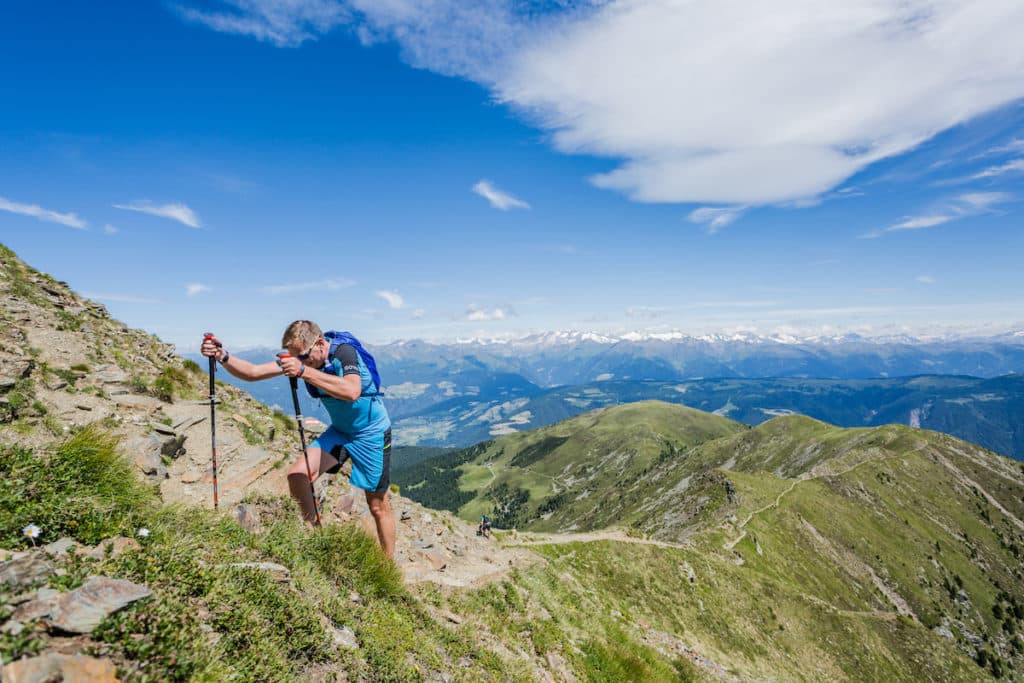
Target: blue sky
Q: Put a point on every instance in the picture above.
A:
(439, 169)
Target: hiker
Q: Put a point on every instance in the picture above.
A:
(335, 370)
(485, 527)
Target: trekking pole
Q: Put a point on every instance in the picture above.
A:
(294, 382)
(213, 421)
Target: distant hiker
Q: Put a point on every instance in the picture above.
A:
(337, 370)
(484, 529)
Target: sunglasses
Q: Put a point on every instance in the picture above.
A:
(303, 357)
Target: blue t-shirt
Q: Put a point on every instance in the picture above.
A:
(365, 414)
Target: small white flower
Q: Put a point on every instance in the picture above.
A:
(32, 531)
(142, 533)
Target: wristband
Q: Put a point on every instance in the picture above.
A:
(302, 371)
(224, 358)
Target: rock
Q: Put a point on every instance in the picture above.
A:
(25, 570)
(38, 607)
(50, 668)
(12, 628)
(59, 547)
(277, 571)
(117, 545)
(943, 632)
(355, 597)
(161, 428)
(437, 559)
(173, 446)
(345, 638)
(82, 610)
(452, 617)
(111, 375)
(188, 422)
(146, 453)
(346, 502)
(247, 517)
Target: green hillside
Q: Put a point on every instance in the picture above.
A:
(793, 549)
(579, 474)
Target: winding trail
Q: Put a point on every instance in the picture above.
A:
(533, 538)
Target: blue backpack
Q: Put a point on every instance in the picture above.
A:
(336, 339)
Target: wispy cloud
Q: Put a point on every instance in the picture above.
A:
(716, 218)
(497, 198)
(418, 314)
(110, 229)
(120, 298)
(476, 314)
(285, 24)
(394, 299)
(195, 288)
(35, 211)
(330, 285)
(176, 212)
(963, 206)
(679, 94)
(1012, 166)
(925, 279)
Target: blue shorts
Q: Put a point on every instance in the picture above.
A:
(370, 453)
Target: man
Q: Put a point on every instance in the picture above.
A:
(360, 427)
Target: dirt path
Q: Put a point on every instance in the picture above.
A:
(532, 538)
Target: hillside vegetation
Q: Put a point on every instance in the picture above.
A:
(792, 542)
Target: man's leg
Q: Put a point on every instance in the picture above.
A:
(380, 507)
(298, 479)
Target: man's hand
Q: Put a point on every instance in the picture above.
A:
(212, 348)
(291, 366)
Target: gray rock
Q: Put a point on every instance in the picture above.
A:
(59, 547)
(82, 610)
(161, 428)
(25, 570)
(38, 607)
(345, 638)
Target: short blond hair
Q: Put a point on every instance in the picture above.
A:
(306, 332)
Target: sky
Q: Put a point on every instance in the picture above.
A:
(444, 170)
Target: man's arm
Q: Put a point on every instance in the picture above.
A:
(347, 387)
(240, 368)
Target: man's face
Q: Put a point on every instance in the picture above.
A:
(312, 356)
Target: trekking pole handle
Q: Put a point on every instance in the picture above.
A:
(294, 382)
(213, 364)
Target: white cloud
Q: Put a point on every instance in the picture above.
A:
(498, 199)
(394, 299)
(474, 313)
(925, 279)
(330, 285)
(120, 298)
(110, 229)
(701, 101)
(716, 218)
(35, 211)
(418, 314)
(992, 171)
(175, 212)
(963, 206)
(195, 288)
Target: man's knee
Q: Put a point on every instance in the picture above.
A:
(378, 503)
